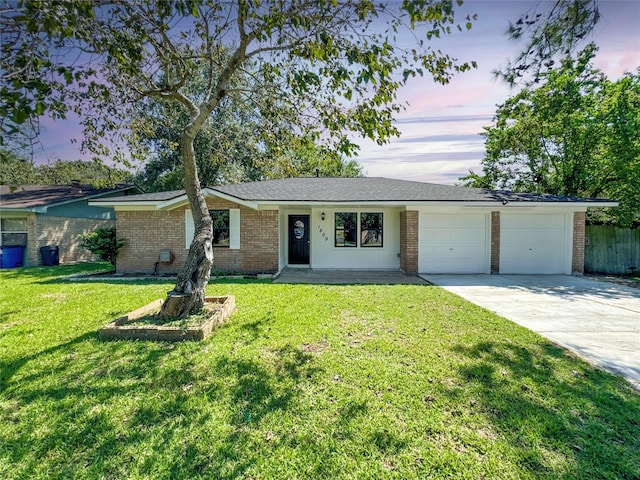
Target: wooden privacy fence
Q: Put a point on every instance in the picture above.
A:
(611, 250)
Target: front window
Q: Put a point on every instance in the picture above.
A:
(14, 232)
(220, 220)
(346, 224)
(371, 229)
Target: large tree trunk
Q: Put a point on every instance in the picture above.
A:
(188, 294)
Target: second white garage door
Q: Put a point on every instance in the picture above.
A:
(455, 243)
(533, 244)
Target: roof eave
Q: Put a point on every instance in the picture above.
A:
(43, 208)
(436, 203)
(17, 210)
(171, 203)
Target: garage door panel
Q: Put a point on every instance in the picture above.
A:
(533, 221)
(453, 243)
(532, 244)
(452, 236)
(533, 236)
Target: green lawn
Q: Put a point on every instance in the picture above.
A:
(327, 382)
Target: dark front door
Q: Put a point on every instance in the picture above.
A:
(299, 239)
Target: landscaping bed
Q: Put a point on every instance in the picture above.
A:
(145, 323)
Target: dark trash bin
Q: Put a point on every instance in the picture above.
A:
(11, 257)
(50, 255)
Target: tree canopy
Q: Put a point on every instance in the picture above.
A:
(228, 149)
(327, 68)
(578, 135)
(15, 170)
(550, 33)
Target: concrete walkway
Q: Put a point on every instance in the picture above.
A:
(346, 277)
(599, 321)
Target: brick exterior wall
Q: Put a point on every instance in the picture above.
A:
(148, 232)
(495, 242)
(64, 232)
(409, 241)
(577, 261)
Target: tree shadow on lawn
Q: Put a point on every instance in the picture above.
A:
(56, 406)
(549, 404)
(56, 272)
(87, 409)
(146, 280)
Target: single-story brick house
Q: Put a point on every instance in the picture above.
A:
(359, 223)
(34, 216)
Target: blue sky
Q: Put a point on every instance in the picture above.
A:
(440, 128)
(440, 139)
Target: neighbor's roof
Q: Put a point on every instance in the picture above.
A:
(35, 197)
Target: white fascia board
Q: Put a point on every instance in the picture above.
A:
(137, 207)
(247, 203)
(207, 192)
(571, 205)
(395, 203)
(124, 205)
(168, 204)
(274, 205)
(508, 205)
(173, 203)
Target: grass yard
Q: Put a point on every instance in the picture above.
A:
(304, 381)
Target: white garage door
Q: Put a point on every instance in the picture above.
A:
(532, 244)
(453, 243)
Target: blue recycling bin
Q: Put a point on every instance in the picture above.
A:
(50, 255)
(11, 257)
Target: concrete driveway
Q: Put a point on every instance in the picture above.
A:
(599, 321)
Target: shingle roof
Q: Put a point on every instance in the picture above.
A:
(33, 196)
(369, 189)
(360, 189)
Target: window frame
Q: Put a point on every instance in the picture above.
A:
(213, 214)
(13, 232)
(380, 229)
(234, 228)
(354, 229)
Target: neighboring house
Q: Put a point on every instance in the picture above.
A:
(34, 216)
(358, 223)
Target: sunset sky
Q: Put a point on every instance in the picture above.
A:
(440, 129)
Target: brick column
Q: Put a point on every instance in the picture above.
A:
(409, 241)
(495, 243)
(577, 259)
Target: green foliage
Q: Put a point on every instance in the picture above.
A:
(103, 243)
(303, 381)
(551, 32)
(330, 67)
(34, 79)
(576, 135)
(15, 170)
(227, 149)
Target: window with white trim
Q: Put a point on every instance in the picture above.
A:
(226, 228)
(221, 230)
